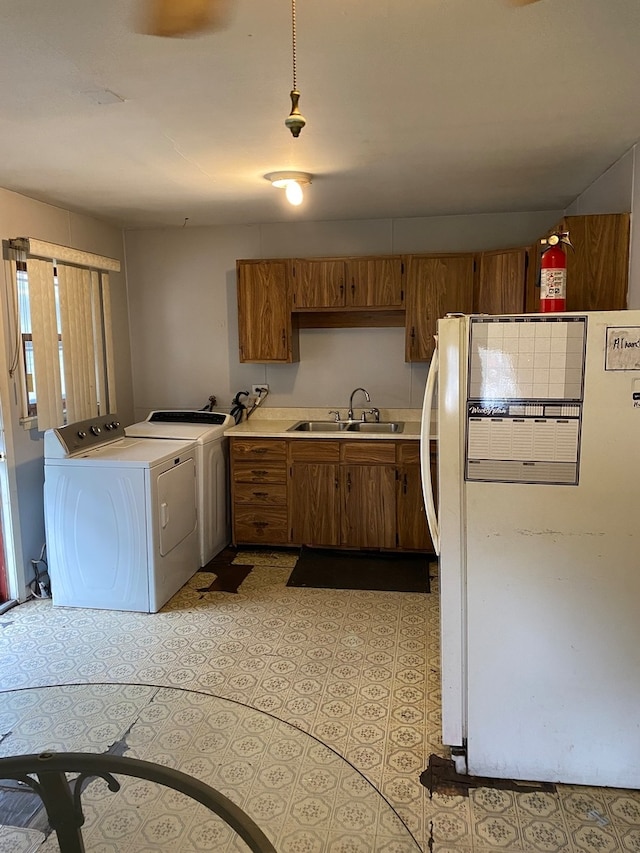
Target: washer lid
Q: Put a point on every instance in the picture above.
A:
(179, 423)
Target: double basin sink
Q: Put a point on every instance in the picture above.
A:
(348, 426)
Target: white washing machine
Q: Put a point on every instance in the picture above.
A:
(120, 516)
(212, 455)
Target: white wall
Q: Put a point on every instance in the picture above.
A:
(183, 310)
(634, 261)
(24, 217)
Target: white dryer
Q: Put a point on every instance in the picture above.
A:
(212, 455)
(120, 516)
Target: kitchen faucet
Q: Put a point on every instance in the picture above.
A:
(353, 393)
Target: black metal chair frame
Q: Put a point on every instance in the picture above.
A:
(62, 798)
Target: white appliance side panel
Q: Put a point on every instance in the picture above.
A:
(96, 537)
(452, 334)
(171, 570)
(213, 487)
(553, 581)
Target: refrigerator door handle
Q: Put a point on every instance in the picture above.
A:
(425, 451)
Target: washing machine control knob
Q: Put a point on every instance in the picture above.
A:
(115, 424)
(108, 426)
(95, 430)
(81, 433)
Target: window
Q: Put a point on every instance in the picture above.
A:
(64, 352)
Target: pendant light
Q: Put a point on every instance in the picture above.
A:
(295, 121)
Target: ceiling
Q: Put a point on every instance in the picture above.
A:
(413, 107)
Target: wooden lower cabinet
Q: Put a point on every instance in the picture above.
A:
(332, 493)
(314, 492)
(413, 529)
(259, 491)
(368, 494)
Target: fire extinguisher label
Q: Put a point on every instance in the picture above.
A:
(553, 283)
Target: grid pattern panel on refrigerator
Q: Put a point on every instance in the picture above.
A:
(524, 399)
(527, 358)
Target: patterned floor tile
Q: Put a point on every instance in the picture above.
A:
(320, 694)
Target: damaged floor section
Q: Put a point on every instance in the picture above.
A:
(283, 778)
(441, 777)
(298, 702)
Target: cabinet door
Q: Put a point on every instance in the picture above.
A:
(375, 282)
(314, 504)
(436, 285)
(265, 331)
(501, 282)
(598, 268)
(318, 283)
(369, 506)
(413, 529)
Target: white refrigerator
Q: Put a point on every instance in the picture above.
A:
(536, 519)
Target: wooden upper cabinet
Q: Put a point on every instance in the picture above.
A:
(500, 283)
(265, 329)
(318, 283)
(329, 283)
(375, 282)
(597, 267)
(436, 285)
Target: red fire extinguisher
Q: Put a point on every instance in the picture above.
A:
(553, 273)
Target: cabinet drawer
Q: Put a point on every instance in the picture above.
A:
(255, 493)
(368, 451)
(266, 524)
(408, 452)
(314, 450)
(256, 448)
(259, 472)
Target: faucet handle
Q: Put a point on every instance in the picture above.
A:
(336, 413)
(375, 412)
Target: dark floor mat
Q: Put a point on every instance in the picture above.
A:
(325, 569)
(229, 576)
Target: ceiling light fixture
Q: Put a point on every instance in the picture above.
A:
(295, 121)
(291, 182)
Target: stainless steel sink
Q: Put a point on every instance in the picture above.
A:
(380, 426)
(318, 426)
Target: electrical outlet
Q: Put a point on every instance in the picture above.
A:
(255, 389)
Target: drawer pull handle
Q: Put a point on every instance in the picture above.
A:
(261, 494)
(260, 523)
(260, 473)
(259, 449)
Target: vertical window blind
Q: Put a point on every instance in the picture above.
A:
(63, 330)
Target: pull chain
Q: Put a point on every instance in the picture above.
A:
(295, 120)
(293, 40)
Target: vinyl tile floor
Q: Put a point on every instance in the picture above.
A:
(314, 710)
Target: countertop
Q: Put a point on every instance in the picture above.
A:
(275, 423)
